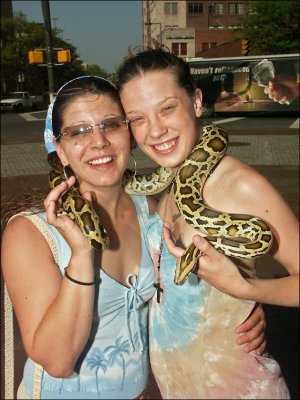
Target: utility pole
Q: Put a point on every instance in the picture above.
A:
(48, 33)
(148, 24)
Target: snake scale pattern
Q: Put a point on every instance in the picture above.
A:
(83, 213)
(236, 235)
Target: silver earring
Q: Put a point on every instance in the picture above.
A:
(135, 166)
(65, 172)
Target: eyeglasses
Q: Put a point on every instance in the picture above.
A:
(80, 133)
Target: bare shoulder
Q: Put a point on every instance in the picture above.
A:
(23, 241)
(238, 187)
(22, 229)
(241, 178)
(19, 227)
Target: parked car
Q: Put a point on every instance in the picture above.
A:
(21, 101)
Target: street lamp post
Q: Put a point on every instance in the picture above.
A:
(50, 65)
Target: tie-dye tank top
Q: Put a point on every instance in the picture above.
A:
(193, 352)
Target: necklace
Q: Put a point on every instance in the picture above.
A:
(157, 285)
(159, 289)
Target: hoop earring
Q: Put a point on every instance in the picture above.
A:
(65, 172)
(135, 165)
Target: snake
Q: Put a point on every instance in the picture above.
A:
(76, 207)
(81, 211)
(235, 235)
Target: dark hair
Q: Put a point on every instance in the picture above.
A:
(76, 88)
(156, 60)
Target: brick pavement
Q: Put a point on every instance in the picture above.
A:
(24, 166)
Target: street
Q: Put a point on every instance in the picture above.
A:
(271, 145)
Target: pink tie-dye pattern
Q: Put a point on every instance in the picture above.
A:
(212, 365)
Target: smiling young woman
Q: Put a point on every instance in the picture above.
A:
(192, 327)
(83, 313)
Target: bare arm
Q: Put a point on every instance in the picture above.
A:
(222, 273)
(238, 188)
(54, 314)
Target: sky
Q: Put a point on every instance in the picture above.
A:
(102, 31)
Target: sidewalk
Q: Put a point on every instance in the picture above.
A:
(24, 166)
(31, 158)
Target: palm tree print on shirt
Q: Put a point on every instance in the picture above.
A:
(116, 352)
(97, 361)
(112, 355)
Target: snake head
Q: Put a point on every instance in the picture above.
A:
(186, 264)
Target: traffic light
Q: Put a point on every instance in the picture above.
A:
(35, 57)
(245, 47)
(63, 56)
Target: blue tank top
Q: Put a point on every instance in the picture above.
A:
(115, 361)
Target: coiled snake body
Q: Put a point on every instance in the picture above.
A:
(82, 212)
(254, 237)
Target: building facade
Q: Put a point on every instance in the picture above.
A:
(194, 28)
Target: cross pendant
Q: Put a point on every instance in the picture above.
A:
(159, 290)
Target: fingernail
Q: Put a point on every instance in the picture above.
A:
(199, 238)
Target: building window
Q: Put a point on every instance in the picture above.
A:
(195, 8)
(171, 8)
(208, 45)
(236, 8)
(179, 49)
(219, 9)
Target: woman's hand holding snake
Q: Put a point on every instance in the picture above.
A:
(218, 270)
(64, 224)
(212, 266)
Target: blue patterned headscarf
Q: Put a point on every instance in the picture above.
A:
(48, 132)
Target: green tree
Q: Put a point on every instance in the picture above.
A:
(19, 36)
(272, 27)
(94, 69)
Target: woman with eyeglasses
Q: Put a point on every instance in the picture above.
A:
(193, 350)
(84, 320)
(83, 314)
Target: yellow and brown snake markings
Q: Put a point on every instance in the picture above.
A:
(236, 235)
(82, 212)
